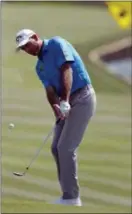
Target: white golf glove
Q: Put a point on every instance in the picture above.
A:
(64, 107)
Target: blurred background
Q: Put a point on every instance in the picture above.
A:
(105, 154)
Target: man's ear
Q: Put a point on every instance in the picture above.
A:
(35, 37)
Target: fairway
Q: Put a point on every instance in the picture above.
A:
(105, 154)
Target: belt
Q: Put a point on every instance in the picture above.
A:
(89, 86)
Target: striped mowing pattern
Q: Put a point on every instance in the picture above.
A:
(104, 155)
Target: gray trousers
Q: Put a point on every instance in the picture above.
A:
(67, 137)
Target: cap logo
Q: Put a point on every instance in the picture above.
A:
(19, 38)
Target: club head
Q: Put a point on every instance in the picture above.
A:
(18, 174)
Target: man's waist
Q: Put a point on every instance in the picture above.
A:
(88, 87)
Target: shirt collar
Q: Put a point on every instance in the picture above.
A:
(43, 49)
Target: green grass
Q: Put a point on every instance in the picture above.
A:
(47, 208)
(104, 156)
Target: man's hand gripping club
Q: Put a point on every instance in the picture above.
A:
(62, 110)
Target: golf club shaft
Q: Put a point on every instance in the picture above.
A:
(43, 143)
(38, 151)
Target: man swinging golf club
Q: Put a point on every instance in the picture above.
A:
(72, 98)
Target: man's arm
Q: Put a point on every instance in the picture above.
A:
(64, 58)
(66, 76)
(61, 108)
(54, 101)
(52, 96)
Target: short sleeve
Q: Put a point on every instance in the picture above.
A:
(45, 83)
(62, 52)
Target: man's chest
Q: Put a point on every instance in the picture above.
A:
(48, 67)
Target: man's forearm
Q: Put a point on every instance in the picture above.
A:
(54, 102)
(52, 96)
(66, 74)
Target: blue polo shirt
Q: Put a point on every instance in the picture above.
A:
(53, 54)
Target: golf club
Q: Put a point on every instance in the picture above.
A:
(36, 154)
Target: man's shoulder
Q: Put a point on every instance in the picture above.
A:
(56, 40)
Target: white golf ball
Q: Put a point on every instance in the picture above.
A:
(11, 126)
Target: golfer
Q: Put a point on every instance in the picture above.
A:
(71, 95)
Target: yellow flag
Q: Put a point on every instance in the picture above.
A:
(121, 12)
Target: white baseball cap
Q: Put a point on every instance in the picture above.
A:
(23, 37)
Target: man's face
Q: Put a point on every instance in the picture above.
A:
(32, 47)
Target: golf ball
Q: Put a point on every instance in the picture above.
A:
(11, 126)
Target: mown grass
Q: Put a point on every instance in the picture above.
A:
(106, 149)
